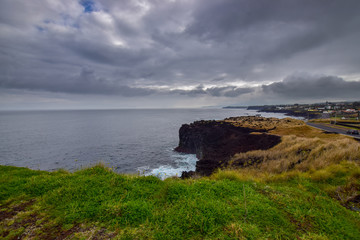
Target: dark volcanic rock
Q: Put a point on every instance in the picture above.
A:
(215, 142)
(189, 174)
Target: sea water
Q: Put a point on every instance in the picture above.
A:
(129, 141)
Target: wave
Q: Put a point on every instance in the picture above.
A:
(182, 162)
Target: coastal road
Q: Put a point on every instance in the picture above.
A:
(329, 128)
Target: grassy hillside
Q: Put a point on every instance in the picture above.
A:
(302, 148)
(98, 203)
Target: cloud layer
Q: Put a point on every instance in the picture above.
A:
(217, 51)
(300, 86)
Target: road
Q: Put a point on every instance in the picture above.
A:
(332, 129)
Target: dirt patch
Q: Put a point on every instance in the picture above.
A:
(27, 223)
(31, 220)
(12, 211)
(36, 227)
(355, 199)
(5, 233)
(348, 195)
(302, 226)
(103, 234)
(57, 233)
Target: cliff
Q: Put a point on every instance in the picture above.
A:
(215, 142)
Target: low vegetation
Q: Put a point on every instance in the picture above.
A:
(306, 187)
(302, 148)
(339, 123)
(300, 154)
(100, 204)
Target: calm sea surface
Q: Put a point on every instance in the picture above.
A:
(130, 141)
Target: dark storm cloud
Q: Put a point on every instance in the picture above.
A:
(161, 47)
(304, 86)
(220, 19)
(85, 83)
(282, 27)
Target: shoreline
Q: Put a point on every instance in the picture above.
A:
(314, 174)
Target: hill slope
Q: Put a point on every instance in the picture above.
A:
(100, 204)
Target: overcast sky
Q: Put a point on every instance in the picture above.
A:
(60, 54)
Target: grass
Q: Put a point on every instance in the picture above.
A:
(97, 202)
(338, 119)
(299, 153)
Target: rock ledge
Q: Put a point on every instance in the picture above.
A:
(215, 142)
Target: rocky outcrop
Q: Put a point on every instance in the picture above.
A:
(215, 142)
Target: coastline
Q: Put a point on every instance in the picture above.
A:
(314, 174)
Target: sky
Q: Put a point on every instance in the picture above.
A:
(104, 54)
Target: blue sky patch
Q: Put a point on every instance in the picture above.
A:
(40, 29)
(89, 5)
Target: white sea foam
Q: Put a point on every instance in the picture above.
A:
(182, 162)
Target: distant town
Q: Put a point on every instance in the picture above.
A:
(337, 110)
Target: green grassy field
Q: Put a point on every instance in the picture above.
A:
(96, 203)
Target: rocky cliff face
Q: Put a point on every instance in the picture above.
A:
(215, 142)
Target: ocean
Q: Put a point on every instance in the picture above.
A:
(128, 141)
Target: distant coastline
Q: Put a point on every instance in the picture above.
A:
(345, 110)
(290, 113)
(243, 107)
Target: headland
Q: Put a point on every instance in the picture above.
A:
(256, 178)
